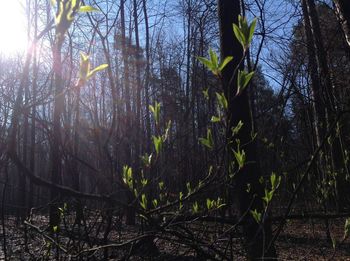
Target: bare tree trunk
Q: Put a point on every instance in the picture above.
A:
(147, 77)
(76, 171)
(137, 139)
(343, 13)
(33, 120)
(321, 57)
(130, 213)
(334, 148)
(56, 161)
(318, 103)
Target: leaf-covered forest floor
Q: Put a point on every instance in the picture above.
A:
(300, 240)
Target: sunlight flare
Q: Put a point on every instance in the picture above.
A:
(13, 32)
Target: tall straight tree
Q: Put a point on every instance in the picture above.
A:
(130, 213)
(147, 75)
(56, 161)
(318, 103)
(343, 12)
(257, 236)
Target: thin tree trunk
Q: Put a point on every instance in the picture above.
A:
(318, 103)
(321, 57)
(138, 139)
(343, 12)
(334, 148)
(147, 77)
(33, 120)
(130, 213)
(56, 161)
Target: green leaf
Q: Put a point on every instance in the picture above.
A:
(155, 203)
(273, 180)
(155, 111)
(55, 229)
(256, 215)
(144, 182)
(97, 69)
(243, 79)
(222, 100)
(87, 9)
(84, 66)
(215, 119)
(268, 196)
(241, 21)
(213, 58)
(251, 30)
(225, 62)
(167, 130)
(181, 195)
(189, 189)
(244, 32)
(208, 141)
(207, 63)
(158, 143)
(210, 203)
(143, 202)
(240, 157)
(180, 200)
(238, 127)
(127, 176)
(195, 207)
(239, 35)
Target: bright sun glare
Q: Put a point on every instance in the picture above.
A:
(13, 35)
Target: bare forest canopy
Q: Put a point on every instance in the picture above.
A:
(175, 129)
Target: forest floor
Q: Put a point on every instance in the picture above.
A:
(300, 240)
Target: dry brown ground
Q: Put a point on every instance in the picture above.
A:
(300, 240)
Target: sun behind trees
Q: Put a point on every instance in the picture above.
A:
(126, 136)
